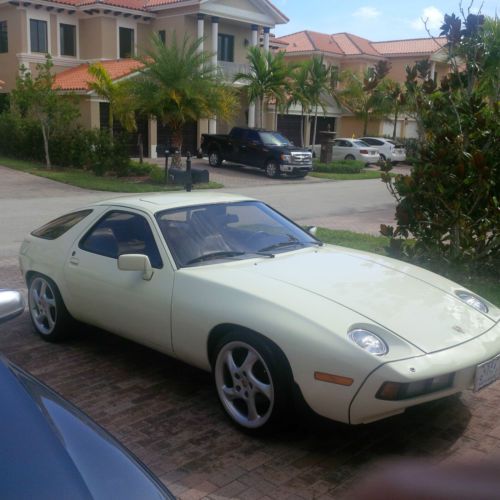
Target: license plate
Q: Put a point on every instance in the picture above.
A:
(487, 373)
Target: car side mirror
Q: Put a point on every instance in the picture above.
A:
(136, 262)
(11, 305)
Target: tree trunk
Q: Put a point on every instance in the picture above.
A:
(176, 142)
(365, 125)
(302, 127)
(111, 122)
(315, 126)
(261, 108)
(394, 132)
(141, 148)
(46, 146)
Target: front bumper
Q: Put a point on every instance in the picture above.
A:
(461, 360)
(290, 168)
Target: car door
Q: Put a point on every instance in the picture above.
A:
(251, 149)
(121, 301)
(337, 150)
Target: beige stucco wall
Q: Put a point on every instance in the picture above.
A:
(16, 29)
(89, 112)
(349, 126)
(98, 38)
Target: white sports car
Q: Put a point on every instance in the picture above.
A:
(229, 285)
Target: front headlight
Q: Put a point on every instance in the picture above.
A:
(368, 341)
(472, 300)
(286, 158)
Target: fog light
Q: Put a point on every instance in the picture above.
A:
(395, 391)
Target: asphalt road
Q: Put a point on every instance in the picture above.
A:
(27, 202)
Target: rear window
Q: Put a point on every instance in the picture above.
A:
(59, 226)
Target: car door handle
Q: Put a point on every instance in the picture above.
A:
(74, 260)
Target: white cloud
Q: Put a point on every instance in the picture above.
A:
(366, 13)
(431, 16)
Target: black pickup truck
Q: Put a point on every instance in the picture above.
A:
(260, 148)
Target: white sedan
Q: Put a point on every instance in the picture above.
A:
(388, 149)
(229, 285)
(354, 149)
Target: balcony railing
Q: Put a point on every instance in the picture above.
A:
(231, 69)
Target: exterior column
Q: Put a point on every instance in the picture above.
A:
(212, 125)
(433, 70)
(152, 136)
(201, 31)
(253, 43)
(266, 38)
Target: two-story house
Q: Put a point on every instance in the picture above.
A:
(348, 51)
(77, 32)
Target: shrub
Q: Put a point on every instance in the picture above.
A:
(108, 154)
(157, 175)
(139, 169)
(450, 204)
(340, 167)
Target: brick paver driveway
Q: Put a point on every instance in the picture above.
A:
(167, 413)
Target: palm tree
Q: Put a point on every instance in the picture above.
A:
(177, 85)
(361, 93)
(319, 85)
(268, 78)
(393, 96)
(121, 103)
(300, 93)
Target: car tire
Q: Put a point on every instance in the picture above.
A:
(253, 381)
(49, 316)
(272, 169)
(349, 157)
(382, 157)
(214, 158)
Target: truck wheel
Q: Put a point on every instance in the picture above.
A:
(214, 159)
(272, 169)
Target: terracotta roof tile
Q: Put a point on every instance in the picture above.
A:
(412, 46)
(77, 78)
(347, 44)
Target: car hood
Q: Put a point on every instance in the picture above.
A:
(50, 449)
(415, 304)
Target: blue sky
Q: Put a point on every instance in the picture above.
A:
(376, 20)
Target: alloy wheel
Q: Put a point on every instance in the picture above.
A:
(43, 305)
(244, 384)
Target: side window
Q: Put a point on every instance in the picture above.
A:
(59, 226)
(237, 133)
(119, 233)
(347, 144)
(253, 135)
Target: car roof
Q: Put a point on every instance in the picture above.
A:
(163, 201)
(383, 139)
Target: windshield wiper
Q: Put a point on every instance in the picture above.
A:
(226, 254)
(214, 255)
(282, 244)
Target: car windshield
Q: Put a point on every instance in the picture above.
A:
(361, 143)
(205, 234)
(273, 139)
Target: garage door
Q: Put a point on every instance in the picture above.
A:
(323, 123)
(289, 126)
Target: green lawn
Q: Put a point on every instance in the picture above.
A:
(87, 180)
(489, 288)
(346, 177)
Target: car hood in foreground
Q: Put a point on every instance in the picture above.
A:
(415, 304)
(49, 449)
